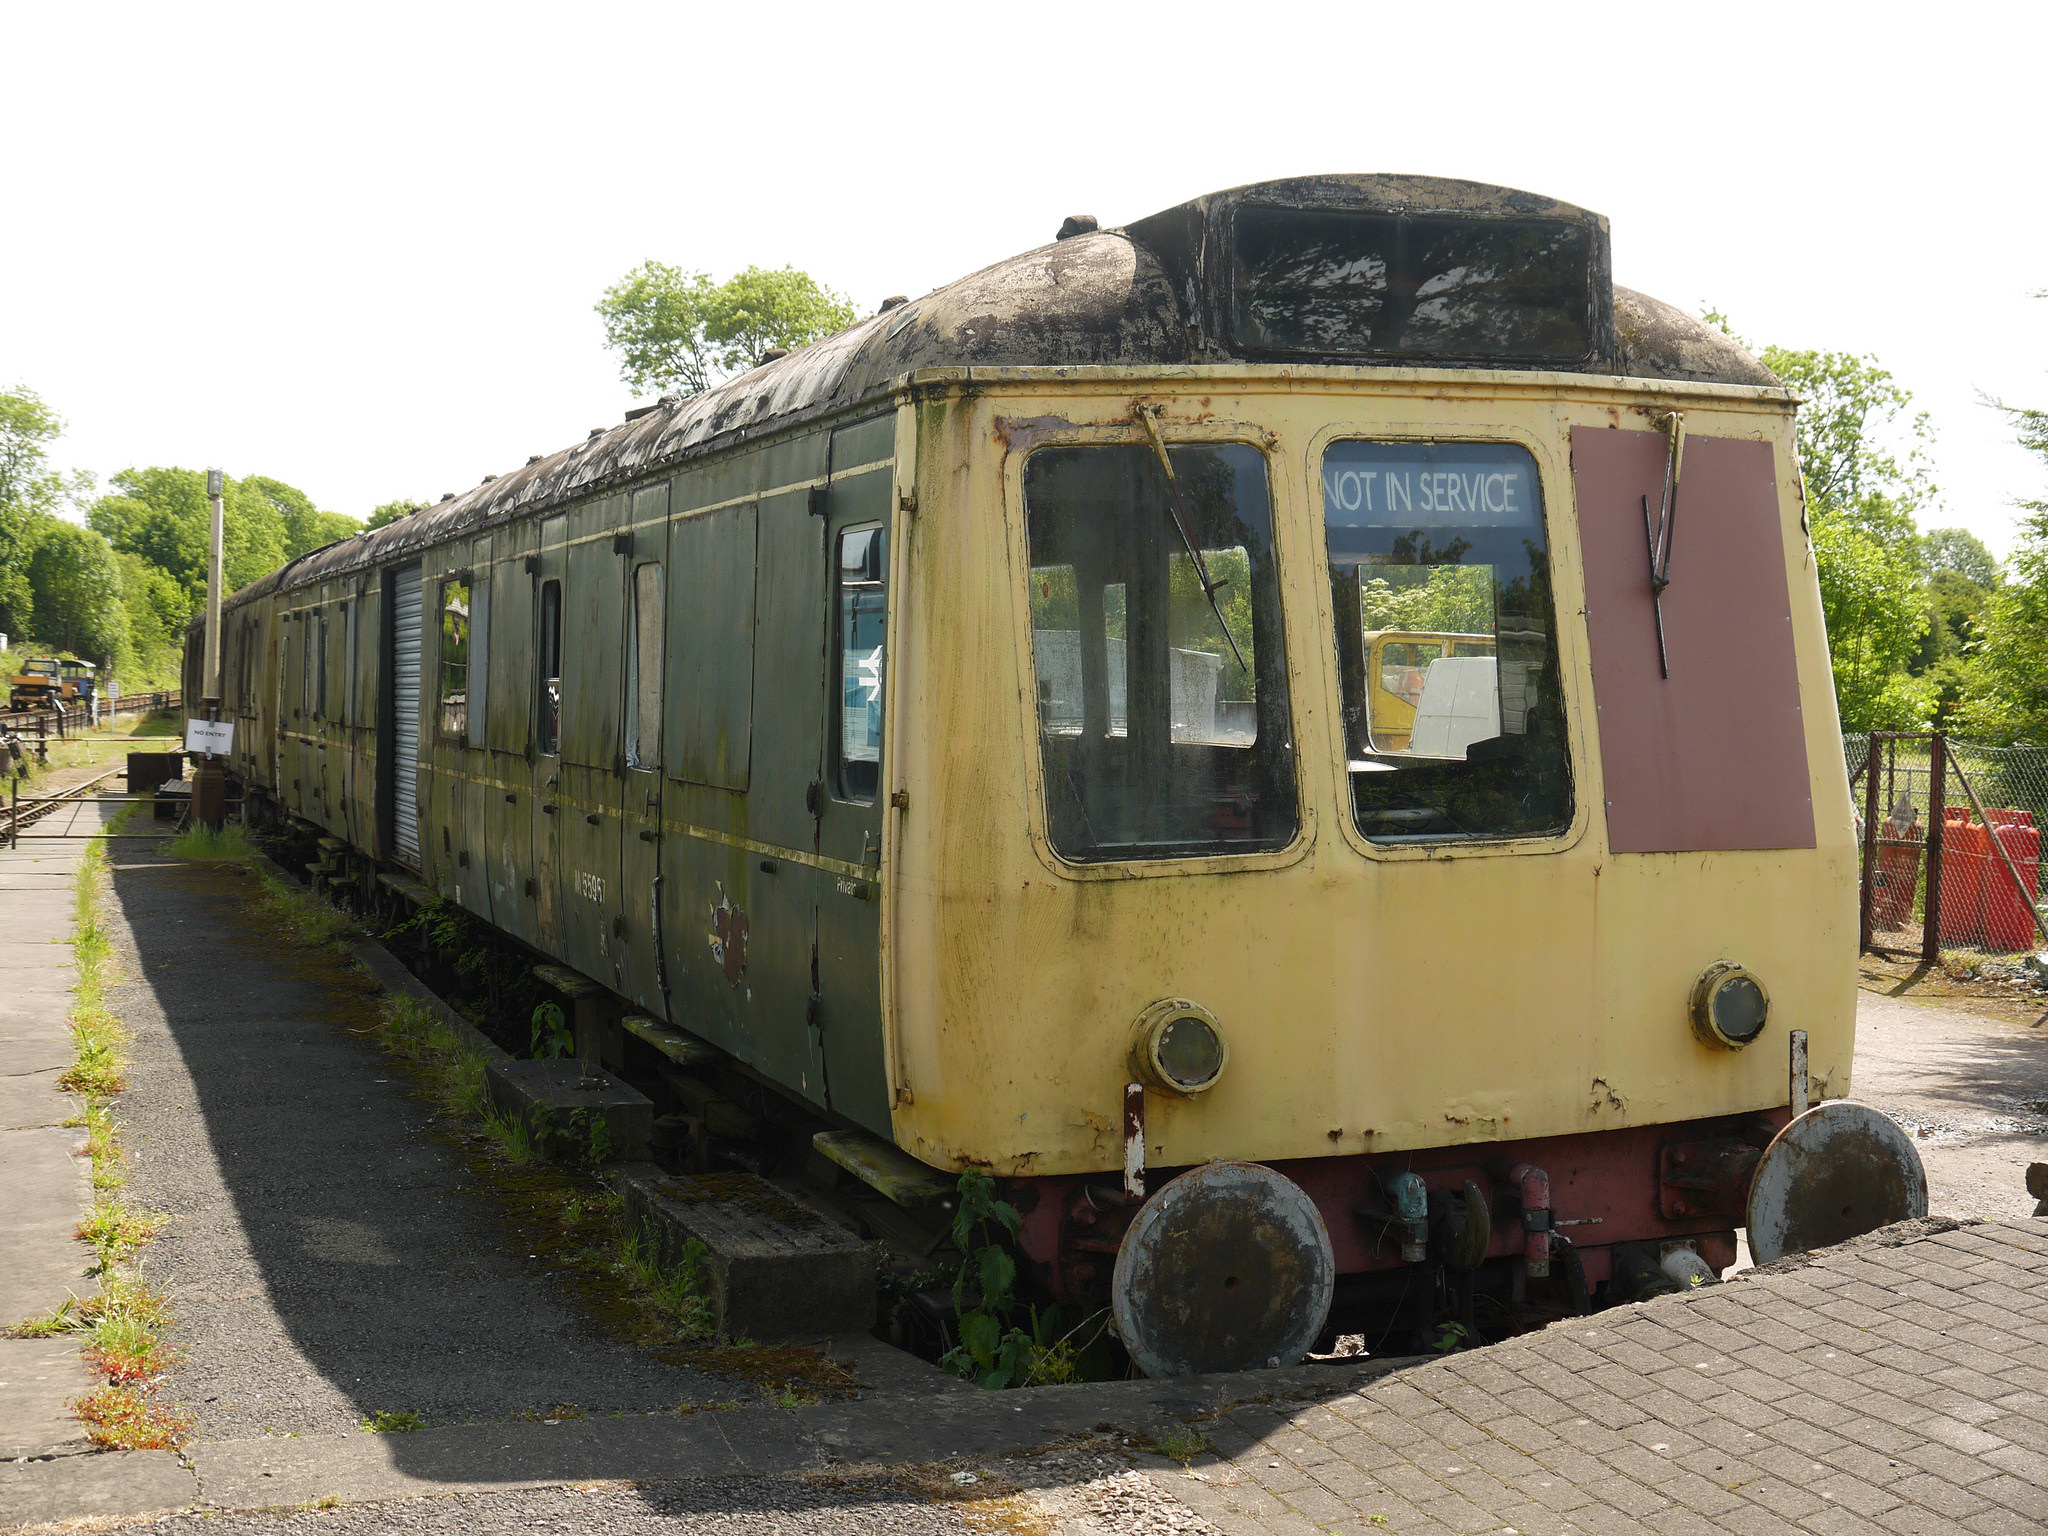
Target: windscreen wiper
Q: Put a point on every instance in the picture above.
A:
(1178, 511)
(1659, 534)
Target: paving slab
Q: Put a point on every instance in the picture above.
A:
(62, 1489)
(38, 1380)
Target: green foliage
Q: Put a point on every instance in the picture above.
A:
(75, 586)
(228, 844)
(552, 1037)
(993, 1351)
(1876, 613)
(1959, 552)
(393, 1421)
(162, 515)
(30, 495)
(1851, 413)
(2008, 701)
(679, 331)
(390, 512)
(1434, 599)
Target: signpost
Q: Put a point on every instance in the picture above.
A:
(209, 782)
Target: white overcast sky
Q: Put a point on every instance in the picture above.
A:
(356, 247)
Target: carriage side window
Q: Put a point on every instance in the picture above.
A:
(479, 660)
(320, 665)
(863, 602)
(454, 622)
(550, 658)
(1162, 717)
(1446, 641)
(643, 670)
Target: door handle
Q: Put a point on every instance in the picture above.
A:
(547, 810)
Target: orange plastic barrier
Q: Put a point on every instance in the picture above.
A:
(1965, 852)
(1898, 875)
(2009, 916)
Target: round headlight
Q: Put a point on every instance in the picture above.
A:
(1177, 1047)
(1729, 1006)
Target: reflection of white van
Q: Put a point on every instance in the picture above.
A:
(1460, 704)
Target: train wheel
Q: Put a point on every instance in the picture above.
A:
(1838, 1171)
(1227, 1268)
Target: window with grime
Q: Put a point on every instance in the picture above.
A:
(1446, 641)
(454, 613)
(1160, 676)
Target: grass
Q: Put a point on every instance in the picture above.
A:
(126, 1323)
(303, 918)
(1181, 1444)
(228, 845)
(393, 1421)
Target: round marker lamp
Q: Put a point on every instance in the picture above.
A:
(1177, 1047)
(1729, 1006)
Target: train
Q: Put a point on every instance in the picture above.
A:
(1295, 735)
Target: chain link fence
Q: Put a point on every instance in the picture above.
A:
(1950, 840)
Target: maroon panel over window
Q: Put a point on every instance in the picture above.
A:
(1715, 755)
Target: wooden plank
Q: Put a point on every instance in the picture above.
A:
(885, 1169)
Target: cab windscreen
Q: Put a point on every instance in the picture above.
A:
(1336, 282)
(1162, 715)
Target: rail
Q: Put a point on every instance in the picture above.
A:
(64, 723)
(21, 813)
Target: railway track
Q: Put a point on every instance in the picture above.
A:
(17, 814)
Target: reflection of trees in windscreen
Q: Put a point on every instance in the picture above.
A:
(1438, 600)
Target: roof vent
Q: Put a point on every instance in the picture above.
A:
(642, 410)
(772, 354)
(1077, 224)
(488, 479)
(447, 495)
(894, 301)
(595, 432)
(533, 458)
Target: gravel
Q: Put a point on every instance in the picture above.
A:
(326, 1257)
(723, 1507)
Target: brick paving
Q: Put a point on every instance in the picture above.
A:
(1895, 1385)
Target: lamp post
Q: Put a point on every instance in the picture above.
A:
(209, 782)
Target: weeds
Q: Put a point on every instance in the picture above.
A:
(125, 1418)
(993, 1351)
(305, 919)
(116, 1231)
(393, 1421)
(552, 1038)
(1181, 1444)
(228, 844)
(126, 1322)
(681, 1294)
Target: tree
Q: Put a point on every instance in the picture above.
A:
(1850, 411)
(27, 493)
(1960, 551)
(157, 610)
(679, 331)
(162, 514)
(390, 513)
(2010, 702)
(77, 593)
(1876, 613)
(306, 527)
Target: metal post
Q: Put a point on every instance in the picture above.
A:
(1800, 1092)
(1937, 812)
(1870, 799)
(209, 783)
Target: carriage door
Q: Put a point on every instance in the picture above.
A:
(639, 824)
(546, 799)
(850, 821)
(402, 717)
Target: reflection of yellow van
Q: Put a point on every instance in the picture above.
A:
(1397, 661)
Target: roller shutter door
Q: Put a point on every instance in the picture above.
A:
(405, 716)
